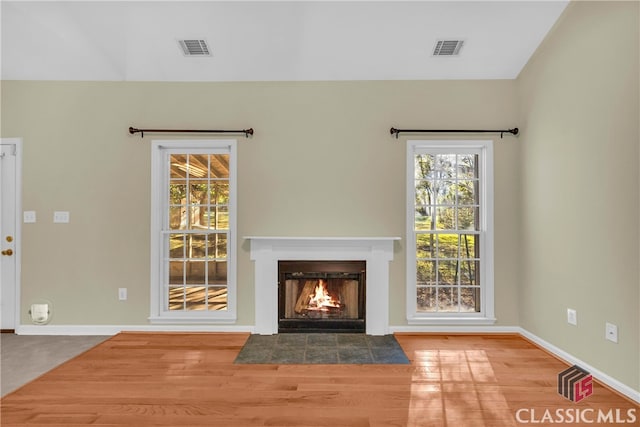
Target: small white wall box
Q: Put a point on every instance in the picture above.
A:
(61, 217)
(39, 313)
(29, 217)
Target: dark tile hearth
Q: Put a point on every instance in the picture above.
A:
(321, 348)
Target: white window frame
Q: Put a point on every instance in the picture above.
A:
(160, 150)
(486, 315)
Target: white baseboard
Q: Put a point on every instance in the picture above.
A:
(452, 329)
(115, 329)
(572, 360)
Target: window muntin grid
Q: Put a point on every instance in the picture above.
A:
(197, 235)
(199, 191)
(447, 232)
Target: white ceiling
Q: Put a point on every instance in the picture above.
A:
(268, 40)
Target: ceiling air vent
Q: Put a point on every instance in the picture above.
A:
(447, 47)
(194, 47)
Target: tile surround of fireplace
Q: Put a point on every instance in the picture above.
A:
(377, 252)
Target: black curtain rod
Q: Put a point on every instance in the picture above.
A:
(133, 130)
(397, 132)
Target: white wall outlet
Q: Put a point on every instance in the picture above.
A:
(29, 217)
(572, 317)
(122, 294)
(611, 332)
(61, 217)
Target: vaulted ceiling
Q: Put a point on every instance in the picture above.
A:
(269, 40)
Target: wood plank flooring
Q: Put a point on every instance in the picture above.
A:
(144, 379)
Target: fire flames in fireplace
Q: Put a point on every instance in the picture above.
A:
(321, 300)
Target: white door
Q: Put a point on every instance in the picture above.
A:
(9, 152)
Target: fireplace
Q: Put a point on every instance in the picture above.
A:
(376, 252)
(321, 296)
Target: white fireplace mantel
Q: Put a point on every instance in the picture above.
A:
(376, 251)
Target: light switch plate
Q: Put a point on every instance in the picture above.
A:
(29, 217)
(61, 217)
(611, 332)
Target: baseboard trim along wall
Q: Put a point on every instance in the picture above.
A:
(596, 373)
(115, 329)
(451, 329)
(552, 349)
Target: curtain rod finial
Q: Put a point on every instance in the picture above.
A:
(133, 130)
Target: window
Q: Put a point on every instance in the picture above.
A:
(449, 232)
(193, 231)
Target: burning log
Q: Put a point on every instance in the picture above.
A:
(308, 290)
(350, 297)
(291, 290)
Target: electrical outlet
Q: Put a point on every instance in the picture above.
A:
(572, 317)
(122, 294)
(611, 332)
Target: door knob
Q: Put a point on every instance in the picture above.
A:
(7, 252)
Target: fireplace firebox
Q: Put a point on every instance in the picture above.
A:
(321, 296)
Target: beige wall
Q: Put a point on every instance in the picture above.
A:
(580, 187)
(322, 163)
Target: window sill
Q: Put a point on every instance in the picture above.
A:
(472, 321)
(191, 320)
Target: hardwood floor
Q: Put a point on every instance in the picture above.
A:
(143, 379)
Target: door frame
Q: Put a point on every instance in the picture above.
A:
(17, 226)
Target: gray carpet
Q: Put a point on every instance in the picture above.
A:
(321, 348)
(26, 357)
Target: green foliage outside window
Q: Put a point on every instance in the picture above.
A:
(446, 225)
